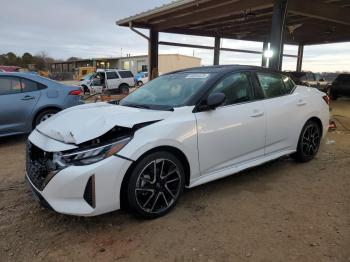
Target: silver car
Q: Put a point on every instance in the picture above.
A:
(26, 100)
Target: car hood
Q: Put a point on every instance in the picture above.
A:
(82, 123)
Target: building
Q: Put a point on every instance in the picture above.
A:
(274, 23)
(167, 63)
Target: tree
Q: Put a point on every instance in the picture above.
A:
(12, 59)
(27, 59)
(73, 58)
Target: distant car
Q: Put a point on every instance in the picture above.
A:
(112, 80)
(340, 87)
(26, 100)
(309, 79)
(141, 78)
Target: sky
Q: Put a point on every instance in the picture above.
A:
(86, 29)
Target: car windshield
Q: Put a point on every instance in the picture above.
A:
(167, 92)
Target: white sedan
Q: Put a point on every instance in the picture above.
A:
(182, 129)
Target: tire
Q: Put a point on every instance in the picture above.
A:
(124, 89)
(43, 116)
(139, 83)
(309, 142)
(152, 194)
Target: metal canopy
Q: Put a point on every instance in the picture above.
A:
(308, 22)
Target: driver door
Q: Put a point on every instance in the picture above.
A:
(96, 83)
(233, 133)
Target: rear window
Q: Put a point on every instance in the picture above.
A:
(30, 86)
(272, 85)
(288, 83)
(126, 74)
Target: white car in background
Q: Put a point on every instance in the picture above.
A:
(182, 129)
(111, 80)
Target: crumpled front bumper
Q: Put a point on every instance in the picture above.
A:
(73, 191)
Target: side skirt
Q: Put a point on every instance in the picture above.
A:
(205, 178)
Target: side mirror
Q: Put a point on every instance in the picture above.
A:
(96, 82)
(213, 101)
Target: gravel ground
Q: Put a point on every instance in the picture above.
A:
(281, 211)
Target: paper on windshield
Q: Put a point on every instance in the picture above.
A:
(197, 76)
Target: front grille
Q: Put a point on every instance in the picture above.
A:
(39, 166)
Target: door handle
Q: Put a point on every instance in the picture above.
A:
(257, 113)
(301, 103)
(28, 97)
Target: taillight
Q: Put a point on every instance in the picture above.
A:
(326, 99)
(74, 93)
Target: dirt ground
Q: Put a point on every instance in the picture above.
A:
(281, 211)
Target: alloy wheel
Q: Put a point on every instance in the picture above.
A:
(46, 116)
(158, 186)
(311, 140)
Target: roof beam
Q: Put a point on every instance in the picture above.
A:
(320, 11)
(213, 13)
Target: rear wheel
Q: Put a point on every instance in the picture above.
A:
(139, 83)
(44, 115)
(155, 184)
(309, 142)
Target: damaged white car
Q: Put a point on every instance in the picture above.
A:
(180, 130)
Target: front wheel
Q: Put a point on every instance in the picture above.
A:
(309, 142)
(43, 116)
(155, 185)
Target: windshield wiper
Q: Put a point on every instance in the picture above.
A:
(137, 106)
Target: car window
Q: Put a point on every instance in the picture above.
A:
(125, 74)
(112, 75)
(9, 85)
(29, 86)
(288, 84)
(236, 87)
(272, 85)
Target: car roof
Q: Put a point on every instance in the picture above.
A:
(21, 74)
(34, 77)
(224, 69)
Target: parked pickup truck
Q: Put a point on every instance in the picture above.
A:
(112, 80)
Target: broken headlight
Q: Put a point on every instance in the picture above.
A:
(91, 155)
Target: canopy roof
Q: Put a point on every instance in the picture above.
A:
(308, 22)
